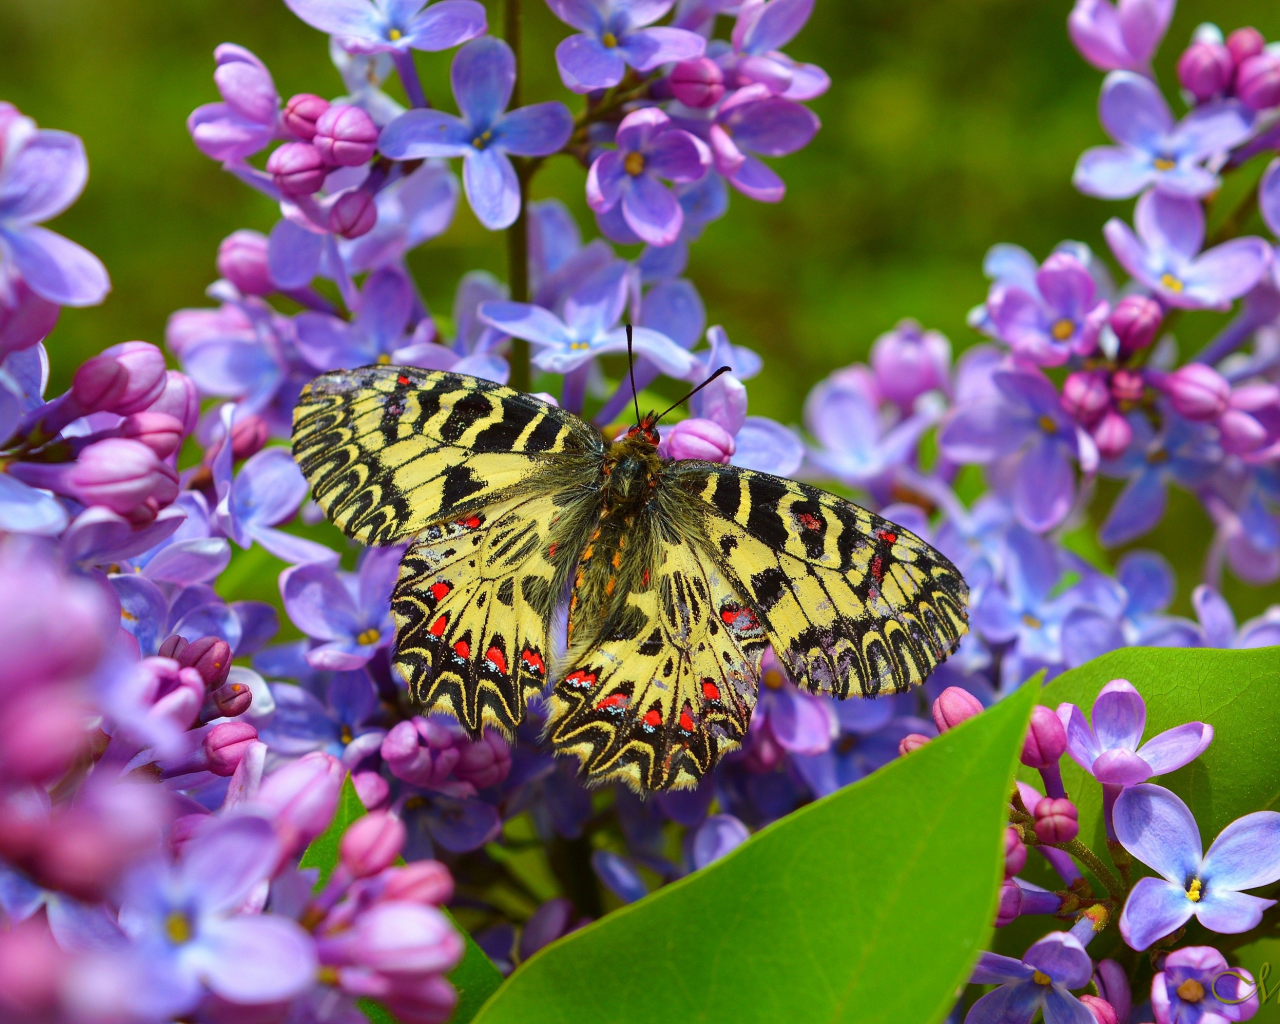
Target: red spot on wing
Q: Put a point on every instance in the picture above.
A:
(552, 549)
(497, 659)
(470, 523)
(582, 679)
(462, 649)
(614, 702)
(686, 720)
(809, 521)
(439, 590)
(888, 536)
(438, 627)
(644, 579)
(652, 718)
(710, 690)
(532, 661)
(402, 379)
(877, 568)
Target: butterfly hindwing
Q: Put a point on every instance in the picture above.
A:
(854, 605)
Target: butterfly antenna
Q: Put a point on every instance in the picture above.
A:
(631, 367)
(723, 369)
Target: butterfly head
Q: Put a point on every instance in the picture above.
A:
(646, 431)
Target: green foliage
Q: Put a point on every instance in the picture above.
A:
(870, 905)
(323, 853)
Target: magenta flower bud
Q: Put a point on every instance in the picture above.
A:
(912, 741)
(249, 436)
(1015, 852)
(1046, 738)
(1135, 320)
(484, 763)
(226, 744)
(242, 260)
(1128, 386)
(1010, 905)
(1103, 1012)
(372, 843)
(178, 693)
(697, 83)
(1240, 433)
(172, 647)
(301, 113)
(1253, 398)
(396, 938)
(1112, 435)
(118, 473)
(1085, 396)
(157, 430)
(1244, 43)
(1112, 982)
(304, 796)
(211, 657)
(953, 706)
(346, 136)
(1197, 391)
(1258, 81)
(147, 375)
(700, 439)
(179, 399)
(32, 966)
(423, 881)
(41, 731)
(1057, 820)
(232, 699)
(1204, 69)
(99, 383)
(372, 789)
(298, 168)
(909, 362)
(353, 215)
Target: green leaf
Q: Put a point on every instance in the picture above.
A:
(870, 905)
(1262, 959)
(475, 978)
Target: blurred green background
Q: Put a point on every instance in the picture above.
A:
(950, 125)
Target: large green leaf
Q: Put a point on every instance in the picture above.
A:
(475, 978)
(868, 906)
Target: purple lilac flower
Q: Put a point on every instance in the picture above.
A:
(1195, 986)
(1158, 829)
(42, 172)
(720, 834)
(340, 724)
(869, 734)
(761, 28)
(612, 35)
(473, 349)
(394, 26)
(456, 824)
(1025, 421)
(248, 119)
(349, 612)
(1165, 256)
(483, 76)
(1123, 35)
(1061, 318)
(1153, 150)
(623, 184)
(375, 335)
(619, 876)
(558, 261)
(411, 210)
(1218, 623)
(1011, 266)
(909, 362)
(25, 318)
(1041, 980)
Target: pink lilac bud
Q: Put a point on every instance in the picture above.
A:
(1204, 69)
(912, 741)
(346, 136)
(147, 375)
(298, 168)
(1112, 982)
(301, 113)
(397, 937)
(1057, 820)
(1103, 1012)
(176, 694)
(1128, 386)
(1010, 905)
(242, 260)
(1240, 433)
(99, 383)
(354, 214)
(232, 699)
(41, 732)
(484, 763)
(373, 790)
(372, 843)
(1244, 43)
(1112, 435)
(423, 881)
(118, 473)
(909, 361)
(1136, 319)
(421, 751)
(226, 745)
(1015, 852)
(32, 967)
(700, 439)
(1085, 396)
(211, 657)
(697, 83)
(1258, 81)
(1198, 392)
(304, 796)
(249, 436)
(157, 430)
(1046, 739)
(953, 706)
(179, 399)
(172, 647)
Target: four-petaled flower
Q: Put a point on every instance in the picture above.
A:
(1195, 986)
(396, 26)
(1062, 317)
(612, 35)
(1040, 980)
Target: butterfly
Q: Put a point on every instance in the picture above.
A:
(678, 573)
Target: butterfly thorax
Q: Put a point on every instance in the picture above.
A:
(632, 468)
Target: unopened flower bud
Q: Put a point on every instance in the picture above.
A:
(172, 647)
(1135, 320)
(1057, 820)
(1240, 433)
(157, 430)
(298, 168)
(1112, 435)
(118, 473)
(1046, 739)
(1244, 43)
(1204, 69)
(147, 375)
(1010, 905)
(245, 83)
(242, 260)
(1112, 982)
(697, 83)
(1103, 1012)
(211, 657)
(1127, 386)
(423, 881)
(226, 745)
(1258, 81)
(179, 399)
(1085, 396)
(953, 706)
(1197, 391)
(301, 113)
(346, 136)
(372, 843)
(912, 741)
(484, 763)
(909, 361)
(551, 920)
(232, 699)
(99, 383)
(354, 214)
(249, 435)
(304, 796)
(700, 439)
(1015, 852)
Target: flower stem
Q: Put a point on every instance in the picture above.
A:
(518, 233)
(1235, 219)
(408, 72)
(1086, 856)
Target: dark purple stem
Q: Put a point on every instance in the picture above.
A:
(1052, 776)
(408, 72)
(1110, 791)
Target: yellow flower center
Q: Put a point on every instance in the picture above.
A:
(369, 636)
(177, 926)
(1158, 456)
(395, 35)
(480, 141)
(1194, 890)
(1040, 978)
(384, 360)
(1047, 424)
(128, 616)
(1171, 282)
(1191, 991)
(773, 679)
(578, 346)
(1063, 329)
(1163, 163)
(609, 40)
(1030, 621)
(633, 164)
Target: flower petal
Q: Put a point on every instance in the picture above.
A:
(1136, 511)
(537, 130)
(1246, 853)
(585, 64)
(483, 75)
(1120, 767)
(606, 181)
(1045, 485)
(220, 867)
(318, 603)
(444, 25)
(775, 26)
(1169, 223)
(1231, 912)
(651, 211)
(757, 180)
(1133, 111)
(581, 14)
(1119, 716)
(1158, 828)
(1015, 1003)
(647, 48)
(257, 958)
(269, 488)
(56, 268)
(417, 134)
(1170, 750)
(1212, 128)
(1060, 955)
(1227, 271)
(337, 17)
(492, 187)
(1154, 909)
(44, 178)
(1269, 196)
(1113, 172)
(1087, 634)
(1061, 1007)
(1215, 615)
(532, 323)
